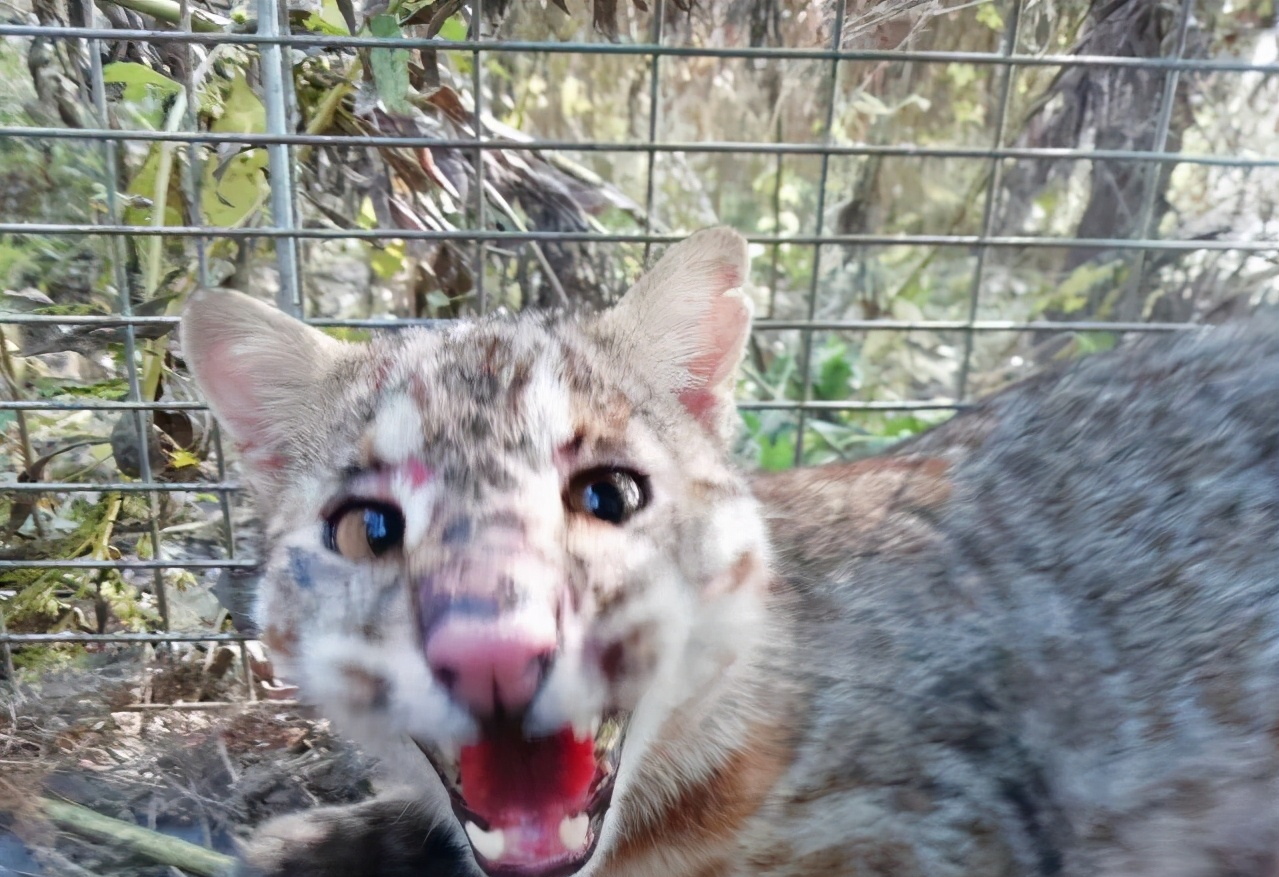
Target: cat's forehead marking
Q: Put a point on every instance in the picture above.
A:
(396, 432)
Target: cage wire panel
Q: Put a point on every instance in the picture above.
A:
(823, 245)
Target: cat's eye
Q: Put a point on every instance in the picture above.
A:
(364, 530)
(611, 495)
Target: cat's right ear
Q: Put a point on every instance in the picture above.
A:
(686, 322)
(258, 369)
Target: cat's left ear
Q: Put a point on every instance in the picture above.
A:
(686, 323)
(260, 371)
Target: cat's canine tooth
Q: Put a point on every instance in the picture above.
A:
(573, 831)
(586, 730)
(449, 753)
(490, 844)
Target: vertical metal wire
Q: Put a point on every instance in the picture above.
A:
(806, 335)
(477, 86)
(654, 93)
(272, 58)
(775, 265)
(6, 654)
(141, 420)
(194, 165)
(194, 187)
(1154, 170)
(194, 176)
(1007, 73)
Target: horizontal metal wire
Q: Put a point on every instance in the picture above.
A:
(112, 321)
(901, 150)
(641, 49)
(108, 321)
(487, 235)
(210, 705)
(116, 486)
(78, 563)
(847, 405)
(95, 405)
(851, 405)
(31, 639)
(104, 322)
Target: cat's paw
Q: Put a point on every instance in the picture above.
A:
(384, 837)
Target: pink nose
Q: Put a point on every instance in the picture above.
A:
(491, 664)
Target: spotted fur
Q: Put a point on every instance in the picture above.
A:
(1040, 640)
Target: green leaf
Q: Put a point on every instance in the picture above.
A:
(142, 190)
(1087, 343)
(113, 389)
(328, 20)
(242, 111)
(235, 190)
(137, 78)
(386, 261)
(390, 66)
(834, 376)
(777, 453)
(437, 300)
(316, 24)
(989, 16)
(454, 29)
(181, 459)
(1071, 295)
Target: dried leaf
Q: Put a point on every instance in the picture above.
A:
(88, 340)
(25, 503)
(347, 10)
(451, 272)
(447, 101)
(404, 216)
(22, 300)
(605, 17)
(427, 160)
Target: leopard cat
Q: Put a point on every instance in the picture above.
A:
(513, 558)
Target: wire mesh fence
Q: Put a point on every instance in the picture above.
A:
(938, 200)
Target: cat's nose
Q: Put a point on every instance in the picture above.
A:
(492, 664)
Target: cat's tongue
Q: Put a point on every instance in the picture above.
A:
(533, 794)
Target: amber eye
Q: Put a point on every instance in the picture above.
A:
(364, 530)
(611, 495)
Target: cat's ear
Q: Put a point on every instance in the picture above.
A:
(686, 323)
(258, 368)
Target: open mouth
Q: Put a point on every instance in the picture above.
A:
(532, 807)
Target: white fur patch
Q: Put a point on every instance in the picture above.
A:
(397, 430)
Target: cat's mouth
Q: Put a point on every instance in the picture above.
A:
(532, 807)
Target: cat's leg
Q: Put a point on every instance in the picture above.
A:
(383, 837)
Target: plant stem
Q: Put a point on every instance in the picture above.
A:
(171, 13)
(150, 844)
(24, 434)
(322, 119)
(101, 540)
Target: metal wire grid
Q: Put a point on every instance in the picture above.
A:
(272, 39)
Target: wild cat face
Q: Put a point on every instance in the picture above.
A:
(515, 542)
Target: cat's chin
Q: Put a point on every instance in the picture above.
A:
(532, 807)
